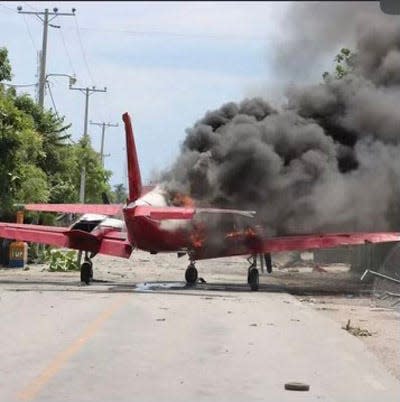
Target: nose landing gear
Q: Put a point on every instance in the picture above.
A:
(191, 274)
(87, 270)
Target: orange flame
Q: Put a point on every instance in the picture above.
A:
(197, 237)
(246, 233)
(182, 200)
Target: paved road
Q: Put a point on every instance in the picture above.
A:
(102, 343)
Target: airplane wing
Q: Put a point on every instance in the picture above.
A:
(241, 243)
(101, 209)
(109, 242)
(165, 213)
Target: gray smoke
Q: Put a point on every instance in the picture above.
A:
(328, 161)
(314, 31)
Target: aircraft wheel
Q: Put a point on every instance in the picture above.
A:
(253, 279)
(86, 272)
(191, 274)
(91, 268)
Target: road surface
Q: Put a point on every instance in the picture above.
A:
(112, 341)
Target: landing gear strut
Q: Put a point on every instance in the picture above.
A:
(191, 274)
(87, 270)
(253, 275)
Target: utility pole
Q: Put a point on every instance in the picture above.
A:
(103, 126)
(45, 17)
(87, 91)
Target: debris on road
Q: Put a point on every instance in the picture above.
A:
(297, 386)
(356, 331)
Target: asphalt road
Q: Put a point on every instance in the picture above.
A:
(111, 343)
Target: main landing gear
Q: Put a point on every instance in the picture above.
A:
(87, 270)
(253, 276)
(191, 274)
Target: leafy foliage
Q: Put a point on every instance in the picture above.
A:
(60, 260)
(5, 66)
(38, 162)
(344, 64)
(119, 194)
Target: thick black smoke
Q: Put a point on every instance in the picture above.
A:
(328, 161)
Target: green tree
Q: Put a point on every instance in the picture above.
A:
(38, 163)
(96, 176)
(344, 64)
(5, 66)
(119, 194)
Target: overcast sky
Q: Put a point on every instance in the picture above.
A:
(165, 63)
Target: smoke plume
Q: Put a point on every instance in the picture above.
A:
(327, 161)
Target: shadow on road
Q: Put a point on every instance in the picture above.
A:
(180, 288)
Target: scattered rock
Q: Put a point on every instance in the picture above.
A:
(308, 300)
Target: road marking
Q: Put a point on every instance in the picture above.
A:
(31, 390)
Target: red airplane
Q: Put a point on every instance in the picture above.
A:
(153, 223)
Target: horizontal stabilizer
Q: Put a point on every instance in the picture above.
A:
(101, 209)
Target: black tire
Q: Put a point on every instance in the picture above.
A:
(268, 262)
(91, 269)
(191, 275)
(86, 272)
(253, 279)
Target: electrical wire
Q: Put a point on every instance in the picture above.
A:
(67, 52)
(30, 34)
(31, 7)
(179, 34)
(55, 109)
(9, 8)
(52, 99)
(83, 51)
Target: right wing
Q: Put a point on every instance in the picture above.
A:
(109, 242)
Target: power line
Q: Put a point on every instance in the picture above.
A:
(83, 51)
(66, 51)
(52, 99)
(179, 34)
(8, 8)
(45, 17)
(31, 7)
(30, 34)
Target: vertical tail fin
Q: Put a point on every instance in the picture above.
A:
(134, 179)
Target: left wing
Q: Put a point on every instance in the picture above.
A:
(109, 241)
